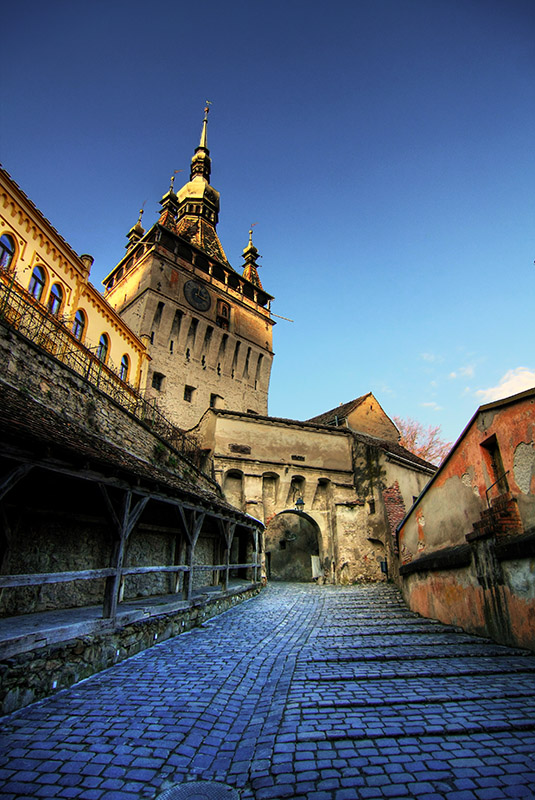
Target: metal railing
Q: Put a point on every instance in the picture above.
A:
(498, 482)
(19, 310)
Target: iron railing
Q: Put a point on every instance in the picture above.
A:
(19, 310)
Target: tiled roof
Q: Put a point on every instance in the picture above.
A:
(341, 412)
(31, 427)
(395, 449)
(202, 234)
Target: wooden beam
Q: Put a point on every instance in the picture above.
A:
(38, 578)
(13, 477)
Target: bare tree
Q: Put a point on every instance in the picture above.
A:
(423, 441)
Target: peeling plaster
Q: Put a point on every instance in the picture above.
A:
(524, 466)
(467, 478)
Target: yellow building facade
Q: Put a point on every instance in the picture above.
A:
(37, 260)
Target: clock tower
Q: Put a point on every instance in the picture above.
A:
(207, 327)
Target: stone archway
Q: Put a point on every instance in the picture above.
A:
(292, 547)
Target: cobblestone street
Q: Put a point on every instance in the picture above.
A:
(324, 693)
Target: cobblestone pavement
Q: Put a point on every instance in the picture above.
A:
(323, 693)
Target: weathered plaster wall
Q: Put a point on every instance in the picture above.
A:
(504, 612)
(466, 563)
(458, 494)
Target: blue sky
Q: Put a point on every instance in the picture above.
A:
(385, 149)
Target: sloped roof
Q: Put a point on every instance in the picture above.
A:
(395, 449)
(202, 234)
(341, 412)
(32, 427)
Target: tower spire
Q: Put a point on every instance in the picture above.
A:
(201, 163)
(203, 142)
(250, 255)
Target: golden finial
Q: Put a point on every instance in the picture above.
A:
(251, 232)
(141, 210)
(207, 109)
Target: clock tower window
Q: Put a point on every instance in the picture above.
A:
(223, 315)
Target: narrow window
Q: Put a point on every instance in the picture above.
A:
(7, 251)
(221, 354)
(158, 315)
(171, 344)
(235, 358)
(188, 393)
(37, 283)
(216, 401)
(207, 338)
(246, 367)
(258, 371)
(123, 369)
(55, 299)
(192, 333)
(103, 347)
(157, 381)
(78, 326)
(175, 327)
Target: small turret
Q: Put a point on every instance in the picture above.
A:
(169, 204)
(250, 254)
(135, 233)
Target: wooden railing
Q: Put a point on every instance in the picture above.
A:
(42, 578)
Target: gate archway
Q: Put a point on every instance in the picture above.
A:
(292, 547)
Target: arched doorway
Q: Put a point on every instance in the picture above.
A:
(292, 545)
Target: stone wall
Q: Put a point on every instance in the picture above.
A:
(48, 381)
(34, 675)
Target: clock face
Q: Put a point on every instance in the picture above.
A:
(197, 295)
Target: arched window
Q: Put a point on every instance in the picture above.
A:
(55, 299)
(123, 369)
(78, 326)
(103, 347)
(37, 283)
(7, 251)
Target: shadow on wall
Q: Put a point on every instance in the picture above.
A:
(292, 548)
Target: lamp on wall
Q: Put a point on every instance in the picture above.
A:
(299, 504)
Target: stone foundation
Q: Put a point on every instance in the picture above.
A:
(38, 673)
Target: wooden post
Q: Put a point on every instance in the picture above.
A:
(124, 527)
(255, 570)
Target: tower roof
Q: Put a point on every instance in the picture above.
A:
(250, 254)
(197, 212)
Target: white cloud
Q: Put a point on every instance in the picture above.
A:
(428, 356)
(514, 381)
(434, 406)
(463, 372)
(467, 372)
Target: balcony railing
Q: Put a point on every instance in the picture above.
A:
(31, 319)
